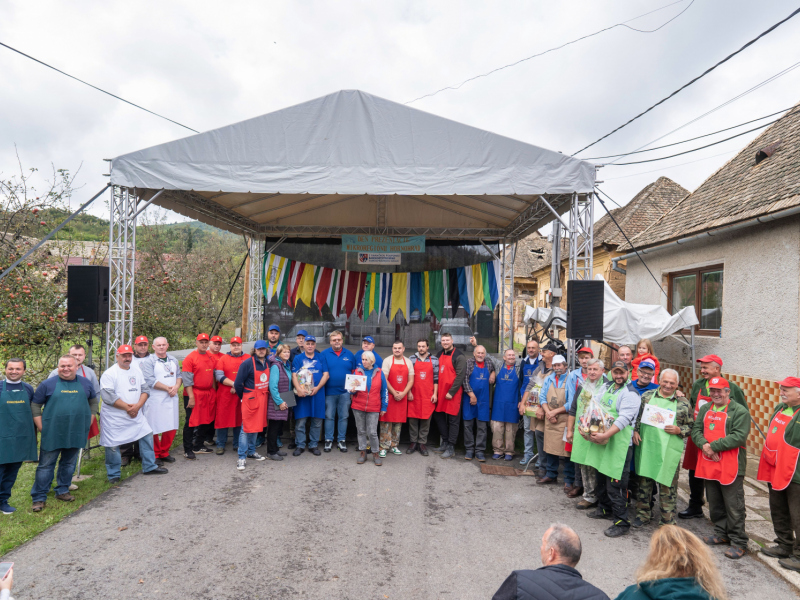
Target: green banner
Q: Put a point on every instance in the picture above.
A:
(383, 243)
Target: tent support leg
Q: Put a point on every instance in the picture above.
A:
(507, 298)
(121, 260)
(581, 250)
(255, 297)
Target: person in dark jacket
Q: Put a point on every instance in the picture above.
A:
(679, 565)
(558, 577)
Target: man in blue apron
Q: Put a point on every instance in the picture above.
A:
(505, 407)
(17, 431)
(62, 409)
(476, 410)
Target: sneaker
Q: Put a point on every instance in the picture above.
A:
(526, 459)
(259, 443)
(497, 456)
(328, 445)
(369, 450)
(7, 509)
(220, 451)
(601, 513)
(274, 456)
(469, 455)
(396, 450)
(315, 451)
(189, 454)
(125, 461)
(382, 453)
(256, 456)
(298, 451)
(208, 443)
(735, 552)
(342, 445)
(241, 464)
(585, 504)
(281, 453)
(776, 552)
(509, 457)
(792, 563)
(377, 459)
(480, 456)
(65, 497)
(362, 457)
(73, 487)
(204, 450)
(638, 522)
(616, 530)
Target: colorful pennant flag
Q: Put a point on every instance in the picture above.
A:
(274, 267)
(399, 295)
(477, 283)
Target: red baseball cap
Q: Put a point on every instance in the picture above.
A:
(125, 349)
(142, 339)
(216, 338)
(236, 340)
(719, 383)
(586, 349)
(711, 358)
(202, 336)
(790, 382)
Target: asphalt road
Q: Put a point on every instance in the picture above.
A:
(325, 527)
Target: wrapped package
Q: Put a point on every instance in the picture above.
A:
(535, 387)
(306, 379)
(595, 418)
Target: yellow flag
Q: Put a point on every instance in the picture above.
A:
(427, 293)
(399, 294)
(305, 290)
(477, 285)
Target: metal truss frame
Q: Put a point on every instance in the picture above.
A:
(507, 254)
(581, 251)
(255, 299)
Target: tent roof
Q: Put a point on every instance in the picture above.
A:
(351, 162)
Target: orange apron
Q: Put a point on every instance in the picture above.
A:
(692, 452)
(726, 470)
(778, 459)
(254, 402)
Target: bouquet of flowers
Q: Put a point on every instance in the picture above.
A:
(535, 387)
(595, 418)
(306, 379)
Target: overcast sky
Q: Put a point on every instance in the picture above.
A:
(207, 64)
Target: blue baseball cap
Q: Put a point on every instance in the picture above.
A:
(647, 364)
(302, 332)
(368, 338)
(311, 338)
(274, 327)
(260, 344)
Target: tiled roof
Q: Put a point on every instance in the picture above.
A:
(533, 253)
(740, 190)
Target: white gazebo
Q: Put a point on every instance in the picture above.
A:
(349, 163)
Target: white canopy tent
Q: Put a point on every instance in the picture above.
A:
(346, 163)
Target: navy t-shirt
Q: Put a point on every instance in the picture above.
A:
(48, 386)
(378, 359)
(338, 367)
(20, 385)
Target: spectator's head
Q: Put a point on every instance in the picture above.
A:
(273, 334)
(710, 366)
(479, 353)
(15, 369)
(311, 345)
(510, 357)
(236, 346)
(140, 346)
(300, 338)
(422, 347)
(625, 354)
(202, 342)
(595, 369)
(585, 354)
(646, 371)
(677, 552)
(720, 390)
(532, 349)
(79, 352)
(549, 351)
(215, 345)
(619, 372)
(669, 380)
(260, 348)
(790, 391)
(67, 367)
(559, 364)
(337, 340)
(124, 358)
(367, 343)
(644, 346)
(283, 352)
(560, 546)
(447, 341)
(398, 348)
(160, 345)
(367, 359)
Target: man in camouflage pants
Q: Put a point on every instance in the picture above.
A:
(668, 495)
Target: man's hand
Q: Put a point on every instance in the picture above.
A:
(233, 391)
(673, 429)
(8, 582)
(449, 396)
(492, 378)
(708, 451)
(383, 412)
(434, 399)
(570, 436)
(715, 457)
(539, 413)
(410, 397)
(473, 400)
(599, 438)
(637, 439)
(473, 341)
(132, 411)
(397, 395)
(173, 391)
(680, 394)
(521, 407)
(552, 418)
(283, 406)
(190, 404)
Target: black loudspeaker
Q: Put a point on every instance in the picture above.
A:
(87, 294)
(585, 301)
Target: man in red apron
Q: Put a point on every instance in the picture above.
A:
(422, 397)
(778, 467)
(197, 373)
(399, 374)
(720, 433)
(452, 371)
(252, 386)
(229, 409)
(710, 366)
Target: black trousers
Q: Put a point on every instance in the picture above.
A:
(697, 489)
(130, 450)
(273, 429)
(448, 425)
(202, 433)
(612, 494)
(188, 432)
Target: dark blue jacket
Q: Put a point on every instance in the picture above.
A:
(245, 377)
(556, 582)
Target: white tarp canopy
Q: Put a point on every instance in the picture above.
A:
(353, 160)
(625, 322)
(542, 316)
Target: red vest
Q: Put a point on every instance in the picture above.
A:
(370, 400)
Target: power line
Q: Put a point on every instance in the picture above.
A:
(690, 139)
(683, 87)
(522, 60)
(97, 88)
(661, 169)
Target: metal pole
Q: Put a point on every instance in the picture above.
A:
(130, 206)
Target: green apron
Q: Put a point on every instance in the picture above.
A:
(66, 417)
(608, 459)
(659, 453)
(17, 431)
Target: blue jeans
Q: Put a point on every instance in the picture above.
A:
(247, 443)
(8, 475)
(527, 437)
(114, 460)
(541, 459)
(222, 437)
(569, 471)
(313, 433)
(46, 468)
(334, 405)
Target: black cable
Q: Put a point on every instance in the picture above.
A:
(522, 60)
(683, 87)
(96, 88)
(690, 139)
(214, 328)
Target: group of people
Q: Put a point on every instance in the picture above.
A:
(615, 464)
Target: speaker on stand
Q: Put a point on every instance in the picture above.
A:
(585, 305)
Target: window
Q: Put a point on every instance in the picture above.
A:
(701, 288)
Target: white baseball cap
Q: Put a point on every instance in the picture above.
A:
(559, 359)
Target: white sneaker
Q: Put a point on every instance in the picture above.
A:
(240, 464)
(257, 456)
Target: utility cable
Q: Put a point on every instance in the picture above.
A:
(522, 60)
(661, 169)
(97, 88)
(686, 85)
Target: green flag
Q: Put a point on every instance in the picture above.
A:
(487, 294)
(436, 285)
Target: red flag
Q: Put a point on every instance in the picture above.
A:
(294, 282)
(350, 299)
(340, 297)
(361, 283)
(323, 288)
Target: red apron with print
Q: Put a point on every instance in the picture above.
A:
(229, 409)
(447, 375)
(254, 402)
(692, 451)
(778, 459)
(726, 470)
(398, 379)
(421, 406)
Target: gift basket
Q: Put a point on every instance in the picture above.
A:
(537, 382)
(595, 418)
(306, 379)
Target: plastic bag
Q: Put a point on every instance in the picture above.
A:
(306, 379)
(595, 417)
(535, 386)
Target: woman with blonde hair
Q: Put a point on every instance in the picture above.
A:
(680, 565)
(644, 349)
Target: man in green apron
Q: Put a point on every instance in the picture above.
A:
(62, 409)
(658, 451)
(17, 431)
(610, 451)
